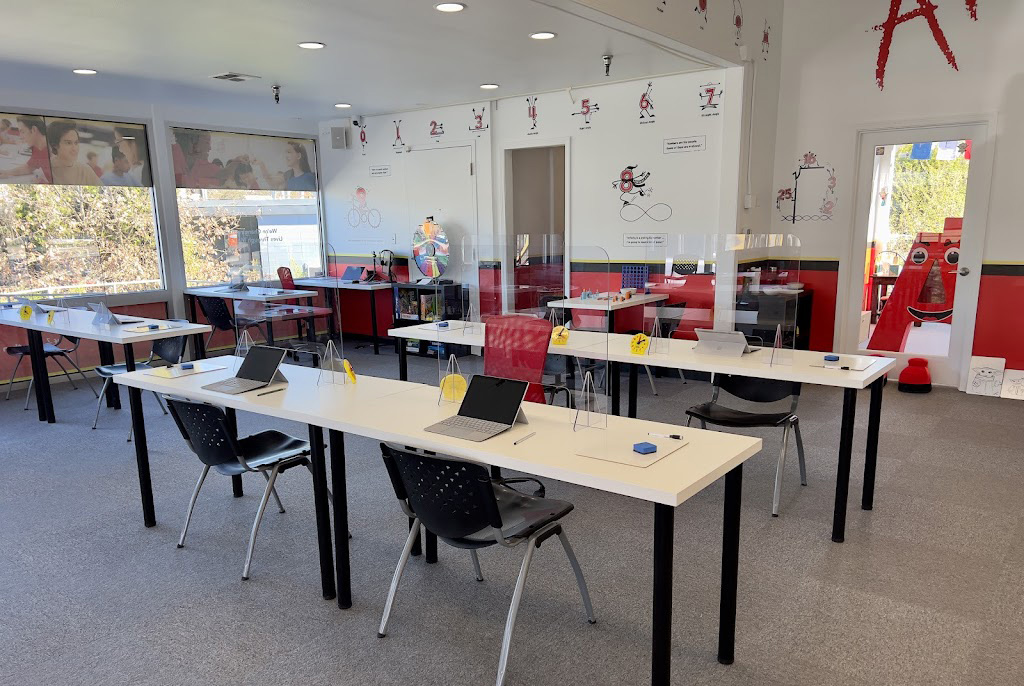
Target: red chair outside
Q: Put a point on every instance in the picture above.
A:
(516, 347)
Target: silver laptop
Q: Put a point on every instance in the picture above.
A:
(490, 407)
(257, 371)
(721, 342)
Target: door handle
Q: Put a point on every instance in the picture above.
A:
(964, 271)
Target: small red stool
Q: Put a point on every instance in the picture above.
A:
(916, 378)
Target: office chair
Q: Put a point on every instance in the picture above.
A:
(460, 503)
(205, 429)
(756, 391)
(50, 350)
(516, 347)
(217, 314)
(170, 350)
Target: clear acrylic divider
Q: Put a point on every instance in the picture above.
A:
(593, 294)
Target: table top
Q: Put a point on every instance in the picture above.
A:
(679, 354)
(333, 282)
(370, 407)
(255, 293)
(78, 323)
(595, 304)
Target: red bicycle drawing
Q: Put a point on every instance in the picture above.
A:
(360, 213)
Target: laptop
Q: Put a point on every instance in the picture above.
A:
(352, 274)
(257, 371)
(491, 406)
(120, 320)
(721, 342)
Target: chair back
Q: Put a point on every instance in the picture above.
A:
(217, 313)
(284, 274)
(170, 350)
(757, 390)
(205, 429)
(516, 347)
(452, 498)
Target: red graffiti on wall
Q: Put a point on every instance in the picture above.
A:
(926, 9)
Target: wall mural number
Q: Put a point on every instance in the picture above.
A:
(531, 111)
(926, 10)
(632, 185)
(398, 133)
(436, 129)
(478, 121)
(702, 12)
(587, 110)
(737, 20)
(765, 42)
(646, 103)
(362, 136)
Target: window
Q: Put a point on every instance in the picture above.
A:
(247, 205)
(76, 207)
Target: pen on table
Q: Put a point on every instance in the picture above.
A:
(678, 437)
(276, 390)
(529, 435)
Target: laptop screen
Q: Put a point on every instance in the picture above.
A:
(352, 274)
(261, 363)
(493, 399)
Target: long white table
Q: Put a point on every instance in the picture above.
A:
(78, 324)
(331, 284)
(680, 354)
(370, 407)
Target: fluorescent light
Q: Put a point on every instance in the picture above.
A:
(84, 72)
(488, 86)
(450, 7)
(311, 45)
(543, 35)
(342, 105)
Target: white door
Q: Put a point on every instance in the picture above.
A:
(914, 266)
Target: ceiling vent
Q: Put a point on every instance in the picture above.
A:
(234, 76)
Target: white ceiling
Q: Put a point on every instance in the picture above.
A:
(381, 55)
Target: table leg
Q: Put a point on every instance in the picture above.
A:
(311, 322)
(373, 322)
(270, 332)
(614, 386)
(403, 360)
(634, 371)
(843, 469)
(416, 547)
(431, 546)
(871, 450)
(113, 392)
(198, 343)
(232, 422)
(139, 439)
(41, 379)
(342, 572)
(730, 564)
(661, 626)
(323, 511)
(611, 320)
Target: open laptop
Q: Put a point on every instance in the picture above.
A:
(721, 342)
(118, 319)
(257, 371)
(490, 407)
(352, 274)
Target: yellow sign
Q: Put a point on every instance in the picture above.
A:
(638, 346)
(25, 312)
(559, 335)
(49, 317)
(453, 387)
(349, 370)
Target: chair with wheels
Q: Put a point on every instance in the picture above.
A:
(460, 503)
(50, 351)
(756, 391)
(205, 429)
(219, 316)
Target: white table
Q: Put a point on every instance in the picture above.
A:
(680, 355)
(608, 305)
(78, 323)
(370, 408)
(331, 284)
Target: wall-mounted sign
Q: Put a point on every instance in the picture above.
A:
(377, 170)
(632, 240)
(685, 144)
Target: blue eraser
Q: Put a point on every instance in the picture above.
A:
(645, 448)
(154, 326)
(831, 358)
(442, 325)
(187, 365)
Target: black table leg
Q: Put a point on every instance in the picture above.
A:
(323, 511)
(614, 386)
(41, 379)
(730, 564)
(634, 371)
(113, 393)
(270, 332)
(343, 574)
(661, 639)
(232, 421)
(843, 469)
(403, 360)
(139, 438)
(611, 319)
(373, 322)
(871, 450)
(311, 322)
(431, 546)
(198, 344)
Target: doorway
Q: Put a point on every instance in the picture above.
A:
(918, 240)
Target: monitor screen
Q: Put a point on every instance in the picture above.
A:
(493, 399)
(261, 363)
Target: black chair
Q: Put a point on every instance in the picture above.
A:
(170, 350)
(205, 429)
(220, 318)
(460, 503)
(50, 351)
(755, 391)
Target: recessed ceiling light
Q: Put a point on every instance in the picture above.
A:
(543, 35)
(488, 86)
(342, 105)
(311, 45)
(450, 7)
(84, 72)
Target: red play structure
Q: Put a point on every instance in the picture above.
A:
(924, 290)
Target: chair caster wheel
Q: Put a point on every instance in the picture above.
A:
(245, 578)
(774, 515)
(380, 635)
(591, 621)
(181, 545)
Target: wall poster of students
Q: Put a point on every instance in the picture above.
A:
(74, 152)
(214, 159)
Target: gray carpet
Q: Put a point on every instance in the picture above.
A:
(927, 588)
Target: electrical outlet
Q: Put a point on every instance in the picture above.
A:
(394, 239)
